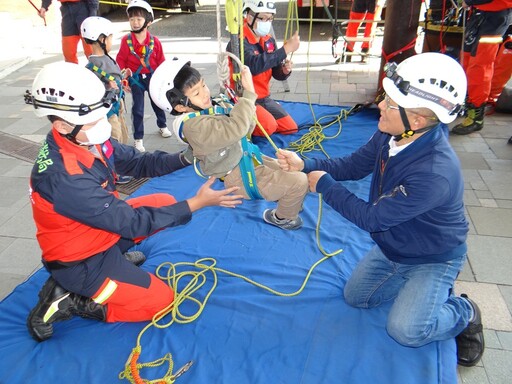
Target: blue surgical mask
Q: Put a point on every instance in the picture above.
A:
(263, 28)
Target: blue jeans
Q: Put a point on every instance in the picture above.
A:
(138, 94)
(424, 307)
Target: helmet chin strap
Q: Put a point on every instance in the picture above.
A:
(408, 132)
(72, 135)
(254, 17)
(141, 28)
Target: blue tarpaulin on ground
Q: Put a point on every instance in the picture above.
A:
(245, 334)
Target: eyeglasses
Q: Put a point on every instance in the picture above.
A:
(265, 20)
(388, 104)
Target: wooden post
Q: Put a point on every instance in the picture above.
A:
(400, 31)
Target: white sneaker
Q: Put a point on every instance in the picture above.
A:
(139, 145)
(165, 132)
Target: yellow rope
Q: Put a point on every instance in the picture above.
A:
(196, 279)
(126, 4)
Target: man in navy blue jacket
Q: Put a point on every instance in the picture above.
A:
(415, 212)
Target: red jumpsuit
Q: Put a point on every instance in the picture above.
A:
(265, 62)
(361, 10)
(74, 12)
(483, 35)
(83, 227)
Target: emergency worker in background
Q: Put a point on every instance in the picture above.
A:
(84, 228)
(73, 12)
(415, 210)
(361, 10)
(488, 22)
(266, 61)
(502, 72)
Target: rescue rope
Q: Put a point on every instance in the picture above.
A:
(127, 3)
(195, 275)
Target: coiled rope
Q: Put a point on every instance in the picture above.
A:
(195, 275)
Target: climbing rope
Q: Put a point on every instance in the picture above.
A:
(195, 276)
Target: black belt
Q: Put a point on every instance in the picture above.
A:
(60, 264)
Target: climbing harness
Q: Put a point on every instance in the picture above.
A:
(251, 155)
(144, 59)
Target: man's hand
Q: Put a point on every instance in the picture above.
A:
(292, 44)
(313, 178)
(42, 12)
(206, 197)
(247, 82)
(289, 161)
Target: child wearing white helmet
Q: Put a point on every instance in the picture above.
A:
(141, 53)
(415, 210)
(266, 61)
(84, 228)
(98, 33)
(218, 134)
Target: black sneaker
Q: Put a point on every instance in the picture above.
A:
(53, 305)
(470, 342)
(270, 217)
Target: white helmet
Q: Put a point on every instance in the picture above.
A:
(71, 92)
(162, 81)
(428, 80)
(141, 4)
(260, 6)
(93, 27)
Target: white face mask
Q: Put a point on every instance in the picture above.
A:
(98, 133)
(263, 28)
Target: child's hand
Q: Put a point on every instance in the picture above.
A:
(292, 44)
(289, 161)
(112, 84)
(126, 73)
(247, 79)
(287, 67)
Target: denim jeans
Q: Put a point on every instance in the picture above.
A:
(424, 308)
(138, 95)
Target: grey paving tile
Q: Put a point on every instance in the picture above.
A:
(491, 339)
(473, 375)
(13, 188)
(490, 258)
(470, 160)
(20, 224)
(500, 164)
(21, 257)
(500, 147)
(497, 366)
(495, 313)
(491, 221)
(505, 339)
(506, 292)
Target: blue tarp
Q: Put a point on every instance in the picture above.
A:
(245, 334)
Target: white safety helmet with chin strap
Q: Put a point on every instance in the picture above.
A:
(141, 4)
(260, 6)
(94, 26)
(71, 92)
(428, 80)
(161, 88)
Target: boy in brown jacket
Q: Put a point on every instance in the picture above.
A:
(217, 134)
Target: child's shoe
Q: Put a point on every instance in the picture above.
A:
(270, 217)
(139, 145)
(123, 179)
(165, 132)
